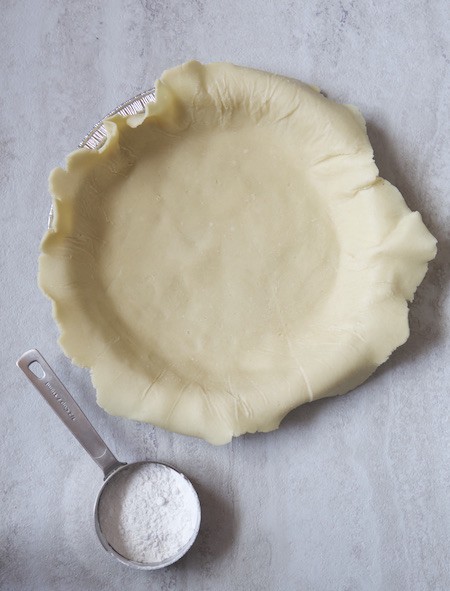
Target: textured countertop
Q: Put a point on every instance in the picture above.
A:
(351, 493)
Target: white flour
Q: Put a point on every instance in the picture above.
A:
(148, 512)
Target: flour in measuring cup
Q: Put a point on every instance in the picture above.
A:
(148, 512)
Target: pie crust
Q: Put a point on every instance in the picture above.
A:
(230, 254)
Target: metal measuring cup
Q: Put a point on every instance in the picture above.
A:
(57, 396)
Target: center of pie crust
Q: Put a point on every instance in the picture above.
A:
(214, 244)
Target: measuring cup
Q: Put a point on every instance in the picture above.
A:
(54, 392)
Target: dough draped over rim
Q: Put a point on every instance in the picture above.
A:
(229, 254)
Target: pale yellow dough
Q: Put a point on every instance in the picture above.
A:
(230, 255)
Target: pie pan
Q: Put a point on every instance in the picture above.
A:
(229, 254)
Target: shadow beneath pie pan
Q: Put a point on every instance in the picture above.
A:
(426, 311)
(300, 418)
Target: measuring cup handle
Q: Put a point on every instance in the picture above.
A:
(57, 396)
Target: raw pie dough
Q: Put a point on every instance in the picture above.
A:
(230, 255)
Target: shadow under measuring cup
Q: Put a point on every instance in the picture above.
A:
(147, 514)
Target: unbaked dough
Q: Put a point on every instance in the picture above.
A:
(230, 254)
